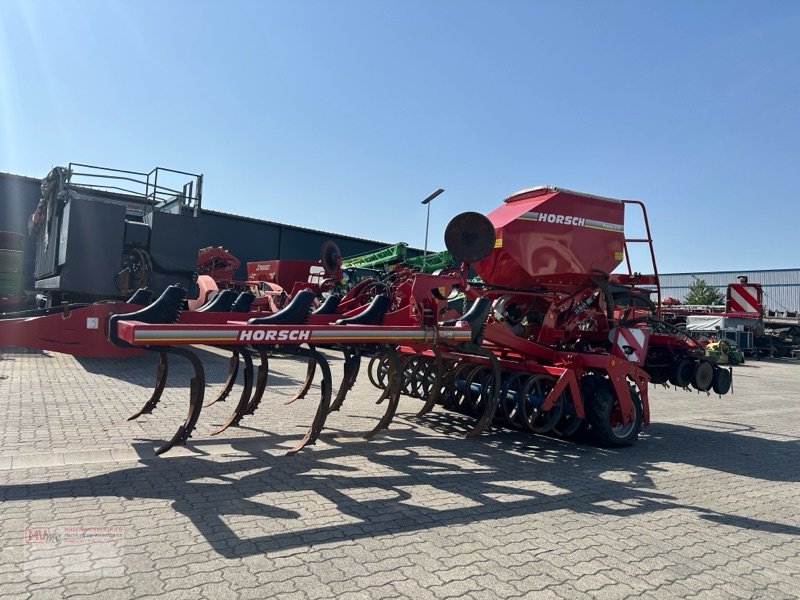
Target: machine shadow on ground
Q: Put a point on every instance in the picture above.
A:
(485, 477)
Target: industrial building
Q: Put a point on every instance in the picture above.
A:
(781, 286)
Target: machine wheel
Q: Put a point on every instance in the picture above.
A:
(659, 376)
(536, 389)
(682, 373)
(509, 406)
(408, 369)
(722, 381)
(457, 399)
(703, 377)
(423, 378)
(570, 424)
(378, 370)
(474, 400)
(605, 417)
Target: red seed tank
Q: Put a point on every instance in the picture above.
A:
(552, 236)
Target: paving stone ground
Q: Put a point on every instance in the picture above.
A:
(705, 504)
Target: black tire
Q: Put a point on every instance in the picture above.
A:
(682, 372)
(570, 425)
(703, 377)
(722, 381)
(602, 413)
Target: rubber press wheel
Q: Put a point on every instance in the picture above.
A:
(722, 381)
(682, 373)
(604, 414)
(703, 376)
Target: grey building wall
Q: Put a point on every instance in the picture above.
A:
(781, 286)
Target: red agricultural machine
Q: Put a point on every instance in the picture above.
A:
(554, 342)
(742, 321)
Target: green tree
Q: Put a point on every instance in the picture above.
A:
(702, 293)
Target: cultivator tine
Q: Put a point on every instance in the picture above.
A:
(261, 383)
(161, 381)
(233, 370)
(352, 364)
(436, 387)
(244, 399)
(310, 372)
(196, 390)
(393, 388)
(324, 404)
(491, 403)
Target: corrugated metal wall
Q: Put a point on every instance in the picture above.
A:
(18, 198)
(251, 239)
(781, 286)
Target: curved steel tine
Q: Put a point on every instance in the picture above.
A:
(384, 395)
(324, 405)
(356, 366)
(261, 383)
(352, 362)
(394, 388)
(310, 372)
(197, 387)
(491, 404)
(161, 381)
(436, 389)
(233, 370)
(244, 399)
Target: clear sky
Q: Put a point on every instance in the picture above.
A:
(343, 115)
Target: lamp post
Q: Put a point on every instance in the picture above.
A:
(427, 223)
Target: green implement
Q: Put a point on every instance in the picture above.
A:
(377, 258)
(432, 262)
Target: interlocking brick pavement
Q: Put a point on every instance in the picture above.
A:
(705, 505)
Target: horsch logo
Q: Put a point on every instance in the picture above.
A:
(272, 335)
(560, 219)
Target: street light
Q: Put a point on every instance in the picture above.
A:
(427, 223)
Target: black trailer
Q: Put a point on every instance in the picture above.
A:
(102, 233)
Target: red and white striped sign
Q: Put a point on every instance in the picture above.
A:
(630, 343)
(744, 298)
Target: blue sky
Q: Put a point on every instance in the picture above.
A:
(343, 115)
